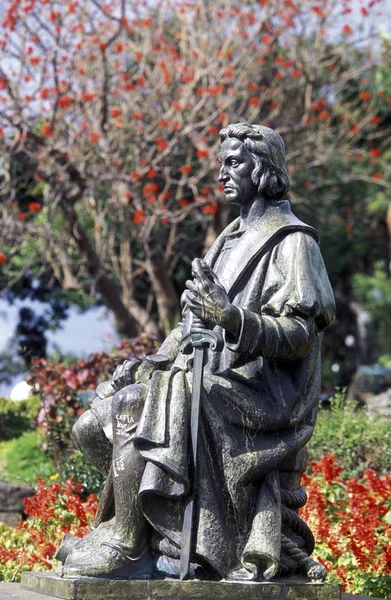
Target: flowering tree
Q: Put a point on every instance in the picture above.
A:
(109, 115)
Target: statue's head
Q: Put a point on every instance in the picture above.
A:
(267, 150)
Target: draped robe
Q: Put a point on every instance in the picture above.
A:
(259, 401)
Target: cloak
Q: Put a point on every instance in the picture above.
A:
(259, 402)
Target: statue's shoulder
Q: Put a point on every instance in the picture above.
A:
(279, 218)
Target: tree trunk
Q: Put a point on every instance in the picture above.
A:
(126, 324)
(164, 290)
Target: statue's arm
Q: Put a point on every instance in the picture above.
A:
(281, 338)
(297, 304)
(170, 346)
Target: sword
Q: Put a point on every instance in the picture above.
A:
(199, 338)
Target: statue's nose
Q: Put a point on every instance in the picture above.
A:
(222, 175)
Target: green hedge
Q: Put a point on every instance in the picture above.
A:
(360, 441)
(16, 417)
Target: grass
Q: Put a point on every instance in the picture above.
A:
(22, 460)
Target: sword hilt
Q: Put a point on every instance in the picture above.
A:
(201, 337)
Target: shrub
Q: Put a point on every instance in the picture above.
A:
(359, 440)
(351, 523)
(16, 417)
(54, 511)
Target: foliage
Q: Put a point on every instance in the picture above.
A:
(384, 360)
(360, 441)
(74, 465)
(54, 511)
(23, 459)
(374, 293)
(16, 417)
(64, 390)
(109, 114)
(351, 523)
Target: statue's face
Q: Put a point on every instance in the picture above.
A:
(237, 165)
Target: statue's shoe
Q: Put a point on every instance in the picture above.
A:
(112, 560)
(74, 549)
(240, 573)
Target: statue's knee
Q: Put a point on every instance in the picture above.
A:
(86, 428)
(129, 400)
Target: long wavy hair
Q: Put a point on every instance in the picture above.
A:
(268, 152)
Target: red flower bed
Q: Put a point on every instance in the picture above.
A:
(55, 510)
(351, 523)
(350, 520)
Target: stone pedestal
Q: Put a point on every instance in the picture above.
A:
(86, 588)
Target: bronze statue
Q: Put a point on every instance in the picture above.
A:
(254, 311)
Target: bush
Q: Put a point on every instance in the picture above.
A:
(75, 466)
(359, 440)
(54, 511)
(351, 523)
(16, 417)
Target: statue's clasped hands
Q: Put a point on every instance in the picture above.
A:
(208, 300)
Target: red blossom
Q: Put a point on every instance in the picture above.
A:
(365, 96)
(88, 96)
(202, 153)
(347, 30)
(94, 137)
(210, 209)
(3, 258)
(296, 73)
(139, 217)
(323, 115)
(161, 144)
(34, 207)
(47, 130)
(149, 189)
(64, 102)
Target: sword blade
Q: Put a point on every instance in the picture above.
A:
(188, 519)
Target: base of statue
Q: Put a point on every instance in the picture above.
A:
(89, 588)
